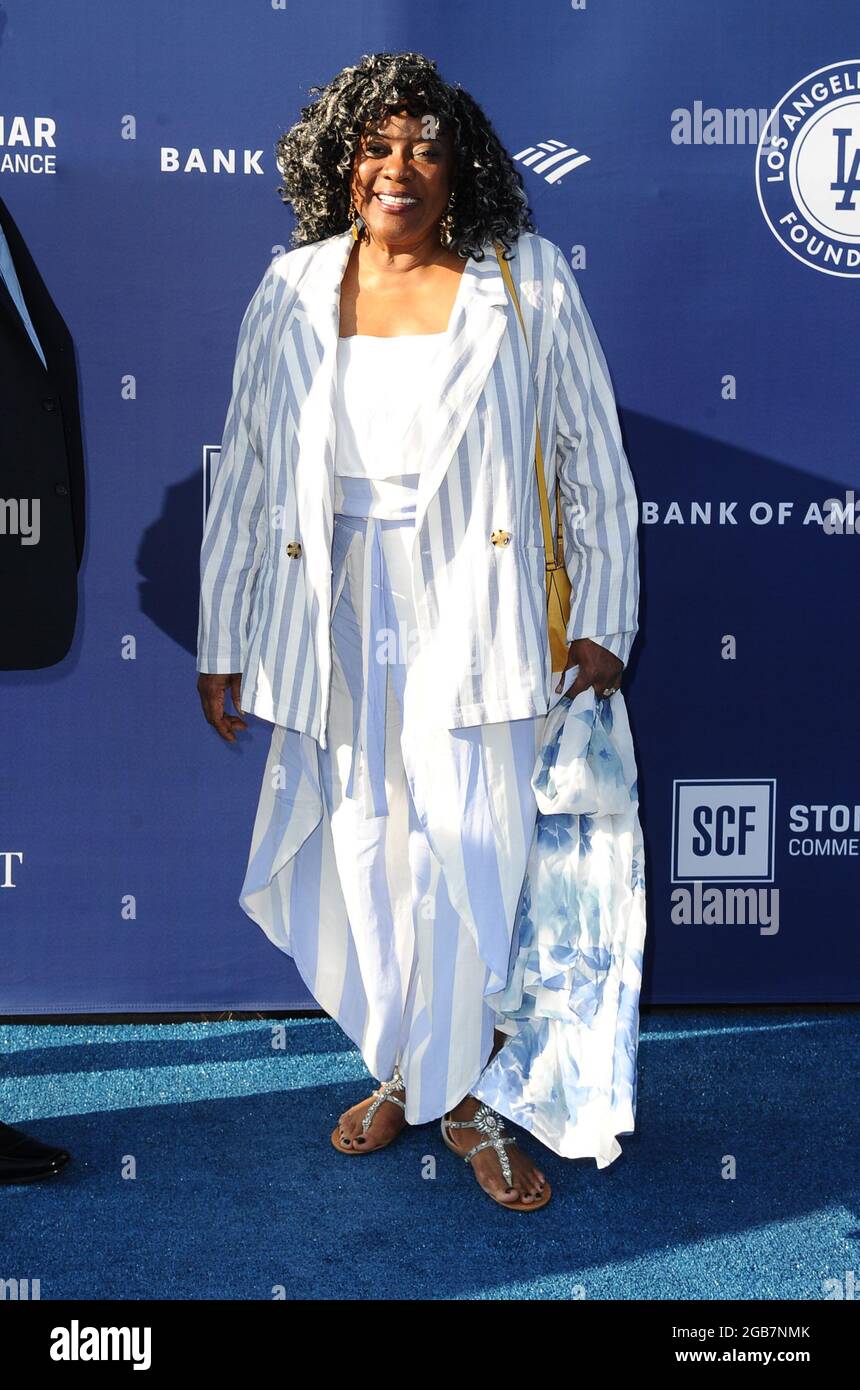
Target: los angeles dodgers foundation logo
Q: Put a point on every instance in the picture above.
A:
(808, 170)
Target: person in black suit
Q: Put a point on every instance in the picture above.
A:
(41, 460)
(41, 465)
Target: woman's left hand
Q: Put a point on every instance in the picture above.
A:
(597, 667)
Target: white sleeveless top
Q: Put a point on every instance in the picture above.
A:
(378, 387)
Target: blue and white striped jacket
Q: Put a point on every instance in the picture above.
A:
(266, 601)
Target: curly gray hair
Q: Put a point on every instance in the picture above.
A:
(316, 155)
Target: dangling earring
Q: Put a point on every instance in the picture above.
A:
(356, 221)
(446, 224)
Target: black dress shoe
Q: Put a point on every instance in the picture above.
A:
(23, 1159)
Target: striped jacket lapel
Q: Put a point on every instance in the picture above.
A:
(312, 330)
(456, 377)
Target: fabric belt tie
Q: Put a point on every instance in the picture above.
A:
(374, 691)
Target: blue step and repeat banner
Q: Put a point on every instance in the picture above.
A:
(699, 164)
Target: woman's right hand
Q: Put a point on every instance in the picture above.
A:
(212, 689)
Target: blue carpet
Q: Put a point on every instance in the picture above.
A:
(237, 1191)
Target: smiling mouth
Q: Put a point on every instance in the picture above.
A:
(396, 201)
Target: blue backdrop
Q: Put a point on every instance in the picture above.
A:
(727, 305)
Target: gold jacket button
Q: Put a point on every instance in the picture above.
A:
(294, 548)
(500, 537)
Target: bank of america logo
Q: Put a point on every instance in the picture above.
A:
(552, 159)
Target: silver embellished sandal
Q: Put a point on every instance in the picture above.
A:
(486, 1121)
(384, 1093)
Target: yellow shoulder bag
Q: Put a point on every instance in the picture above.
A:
(558, 587)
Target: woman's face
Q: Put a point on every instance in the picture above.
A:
(402, 178)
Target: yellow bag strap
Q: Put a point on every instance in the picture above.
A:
(552, 550)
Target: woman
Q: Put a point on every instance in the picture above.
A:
(372, 582)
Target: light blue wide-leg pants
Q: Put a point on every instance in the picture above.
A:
(398, 906)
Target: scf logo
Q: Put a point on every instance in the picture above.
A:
(723, 830)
